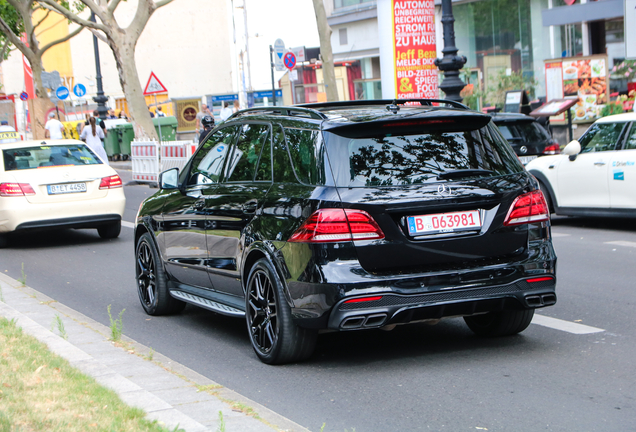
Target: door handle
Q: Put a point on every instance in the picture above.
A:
(198, 205)
(599, 163)
(250, 207)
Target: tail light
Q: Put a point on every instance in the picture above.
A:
(111, 182)
(334, 225)
(552, 149)
(16, 189)
(526, 208)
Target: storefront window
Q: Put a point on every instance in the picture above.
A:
(344, 3)
(503, 37)
(368, 86)
(571, 40)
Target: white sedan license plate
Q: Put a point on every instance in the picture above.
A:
(66, 188)
(444, 222)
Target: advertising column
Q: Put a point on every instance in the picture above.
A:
(406, 29)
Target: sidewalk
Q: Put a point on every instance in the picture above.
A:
(168, 392)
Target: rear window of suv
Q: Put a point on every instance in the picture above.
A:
(394, 159)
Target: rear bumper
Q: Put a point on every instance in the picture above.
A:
(392, 308)
(75, 222)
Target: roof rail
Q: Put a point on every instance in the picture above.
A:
(343, 104)
(282, 111)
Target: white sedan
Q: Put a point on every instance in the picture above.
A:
(57, 184)
(596, 175)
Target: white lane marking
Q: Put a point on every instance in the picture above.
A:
(127, 224)
(622, 243)
(560, 235)
(566, 326)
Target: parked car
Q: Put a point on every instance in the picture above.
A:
(596, 175)
(57, 184)
(348, 216)
(525, 134)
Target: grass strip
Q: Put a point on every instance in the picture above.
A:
(40, 391)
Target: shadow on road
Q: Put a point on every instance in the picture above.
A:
(55, 238)
(616, 224)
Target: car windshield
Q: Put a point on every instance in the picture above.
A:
(48, 156)
(394, 159)
(531, 131)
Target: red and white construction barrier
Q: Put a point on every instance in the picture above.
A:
(175, 154)
(145, 161)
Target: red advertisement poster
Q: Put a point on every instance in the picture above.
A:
(414, 49)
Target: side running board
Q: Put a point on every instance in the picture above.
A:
(207, 304)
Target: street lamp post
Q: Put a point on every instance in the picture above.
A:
(451, 63)
(100, 98)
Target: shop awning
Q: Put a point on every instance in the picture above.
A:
(591, 11)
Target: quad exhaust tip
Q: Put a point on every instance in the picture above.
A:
(365, 321)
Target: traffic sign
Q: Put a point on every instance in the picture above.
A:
(79, 90)
(62, 92)
(154, 86)
(289, 60)
(279, 52)
(24, 96)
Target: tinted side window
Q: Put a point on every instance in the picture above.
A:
(307, 155)
(283, 171)
(532, 131)
(601, 137)
(207, 164)
(242, 164)
(630, 144)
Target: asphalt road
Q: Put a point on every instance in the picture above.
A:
(414, 378)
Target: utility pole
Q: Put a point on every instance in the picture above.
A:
(250, 95)
(271, 65)
(100, 98)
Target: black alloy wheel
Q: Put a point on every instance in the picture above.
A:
(275, 337)
(151, 280)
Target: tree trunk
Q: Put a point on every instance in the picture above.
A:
(36, 67)
(324, 31)
(130, 84)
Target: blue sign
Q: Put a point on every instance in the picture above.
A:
(24, 96)
(267, 94)
(62, 92)
(79, 90)
(221, 98)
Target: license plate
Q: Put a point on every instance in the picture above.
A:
(526, 159)
(444, 222)
(66, 188)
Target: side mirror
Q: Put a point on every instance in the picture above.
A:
(169, 179)
(572, 149)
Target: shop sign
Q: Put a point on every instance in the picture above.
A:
(584, 77)
(414, 49)
(187, 110)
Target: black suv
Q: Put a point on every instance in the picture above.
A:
(526, 136)
(349, 216)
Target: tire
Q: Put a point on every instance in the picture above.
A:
(504, 323)
(273, 334)
(152, 285)
(547, 196)
(109, 231)
(4, 240)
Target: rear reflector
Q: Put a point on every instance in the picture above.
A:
(16, 189)
(336, 225)
(111, 182)
(526, 208)
(540, 279)
(364, 299)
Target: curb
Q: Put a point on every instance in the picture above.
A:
(131, 355)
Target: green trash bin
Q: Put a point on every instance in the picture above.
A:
(168, 128)
(111, 144)
(125, 135)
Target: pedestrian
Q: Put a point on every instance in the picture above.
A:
(204, 111)
(152, 115)
(236, 106)
(111, 114)
(93, 136)
(54, 129)
(208, 124)
(122, 115)
(160, 112)
(98, 121)
(226, 112)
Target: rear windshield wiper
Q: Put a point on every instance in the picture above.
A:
(460, 173)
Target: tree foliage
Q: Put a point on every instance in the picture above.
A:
(14, 22)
